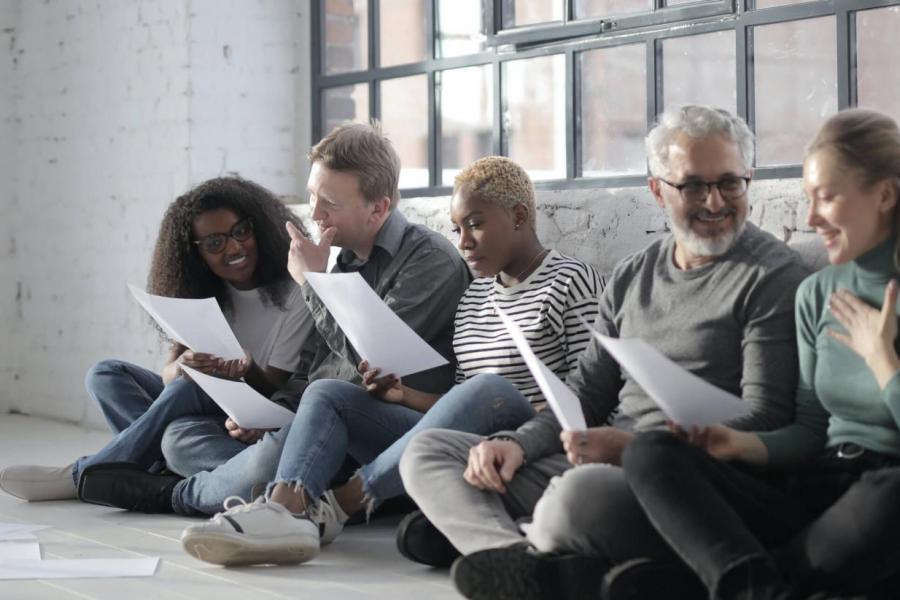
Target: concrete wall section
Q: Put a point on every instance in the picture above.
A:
(603, 226)
(9, 290)
(245, 67)
(103, 107)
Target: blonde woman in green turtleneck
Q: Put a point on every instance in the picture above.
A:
(814, 505)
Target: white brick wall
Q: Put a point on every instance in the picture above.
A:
(9, 18)
(120, 106)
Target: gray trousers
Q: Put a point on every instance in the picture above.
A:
(587, 510)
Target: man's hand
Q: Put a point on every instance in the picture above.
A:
(306, 256)
(248, 436)
(387, 388)
(595, 445)
(725, 443)
(493, 463)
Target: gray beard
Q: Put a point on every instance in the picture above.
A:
(699, 245)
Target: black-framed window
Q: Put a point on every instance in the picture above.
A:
(569, 88)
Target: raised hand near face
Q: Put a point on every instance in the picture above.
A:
(306, 256)
(870, 332)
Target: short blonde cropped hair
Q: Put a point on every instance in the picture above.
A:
(499, 181)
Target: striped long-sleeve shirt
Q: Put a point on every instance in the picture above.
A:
(546, 305)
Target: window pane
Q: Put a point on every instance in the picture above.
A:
(613, 113)
(403, 26)
(467, 107)
(348, 103)
(700, 69)
(877, 57)
(346, 36)
(772, 3)
(795, 86)
(517, 13)
(585, 9)
(535, 117)
(679, 2)
(460, 27)
(404, 117)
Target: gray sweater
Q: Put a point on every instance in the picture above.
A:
(730, 322)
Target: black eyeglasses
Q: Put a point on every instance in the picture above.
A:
(696, 191)
(215, 243)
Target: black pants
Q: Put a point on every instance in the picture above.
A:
(834, 524)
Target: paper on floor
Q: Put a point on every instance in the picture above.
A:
(19, 531)
(376, 332)
(562, 400)
(686, 399)
(79, 568)
(20, 549)
(197, 324)
(247, 407)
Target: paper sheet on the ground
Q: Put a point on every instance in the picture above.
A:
(247, 407)
(79, 568)
(19, 531)
(377, 334)
(562, 400)
(20, 550)
(685, 398)
(197, 324)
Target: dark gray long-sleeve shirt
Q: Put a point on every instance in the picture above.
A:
(420, 276)
(730, 322)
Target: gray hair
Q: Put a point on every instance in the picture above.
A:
(696, 121)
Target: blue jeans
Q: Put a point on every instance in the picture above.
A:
(336, 418)
(122, 390)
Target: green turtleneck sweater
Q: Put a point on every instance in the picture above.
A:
(838, 398)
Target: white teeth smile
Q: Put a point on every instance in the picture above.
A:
(237, 261)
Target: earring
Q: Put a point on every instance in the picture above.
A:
(517, 225)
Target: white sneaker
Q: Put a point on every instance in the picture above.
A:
(253, 534)
(328, 516)
(36, 483)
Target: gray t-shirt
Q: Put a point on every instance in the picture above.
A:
(730, 322)
(273, 336)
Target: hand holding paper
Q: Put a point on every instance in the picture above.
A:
(247, 407)
(685, 398)
(376, 332)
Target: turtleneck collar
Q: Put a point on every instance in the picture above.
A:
(878, 263)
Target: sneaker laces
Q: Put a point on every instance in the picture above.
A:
(236, 504)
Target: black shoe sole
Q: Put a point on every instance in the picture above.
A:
(128, 486)
(420, 541)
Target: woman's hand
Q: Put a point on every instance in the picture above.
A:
(870, 332)
(725, 443)
(200, 361)
(387, 388)
(248, 436)
(234, 369)
(595, 445)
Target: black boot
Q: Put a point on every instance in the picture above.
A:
(128, 486)
(420, 541)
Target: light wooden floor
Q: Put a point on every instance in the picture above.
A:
(362, 563)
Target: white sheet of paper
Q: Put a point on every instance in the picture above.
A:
(20, 550)
(197, 324)
(377, 334)
(247, 407)
(562, 400)
(686, 399)
(19, 531)
(79, 568)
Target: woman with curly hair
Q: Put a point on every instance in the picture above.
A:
(224, 238)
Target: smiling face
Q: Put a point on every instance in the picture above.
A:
(851, 218)
(703, 230)
(336, 201)
(236, 264)
(486, 233)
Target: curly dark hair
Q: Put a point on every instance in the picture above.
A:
(178, 270)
